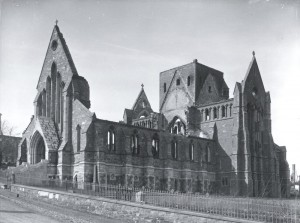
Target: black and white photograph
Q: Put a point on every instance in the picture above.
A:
(149, 111)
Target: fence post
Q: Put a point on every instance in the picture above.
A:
(295, 209)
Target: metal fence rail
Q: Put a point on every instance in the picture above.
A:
(257, 209)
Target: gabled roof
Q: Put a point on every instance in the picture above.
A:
(216, 74)
(129, 113)
(142, 94)
(237, 87)
(170, 86)
(49, 132)
(65, 48)
(252, 68)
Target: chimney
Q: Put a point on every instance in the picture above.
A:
(1, 133)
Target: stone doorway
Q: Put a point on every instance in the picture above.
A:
(38, 150)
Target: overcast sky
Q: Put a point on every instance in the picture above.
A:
(118, 45)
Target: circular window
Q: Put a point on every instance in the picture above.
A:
(54, 45)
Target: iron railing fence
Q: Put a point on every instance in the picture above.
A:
(256, 209)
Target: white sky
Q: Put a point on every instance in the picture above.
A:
(117, 45)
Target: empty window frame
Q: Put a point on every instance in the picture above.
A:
(135, 148)
(223, 111)
(215, 111)
(207, 116)
(155, 146)
(111, 145)
(174, 149)
(191, 152)
(78, 129)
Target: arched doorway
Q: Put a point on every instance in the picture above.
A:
(38, 151)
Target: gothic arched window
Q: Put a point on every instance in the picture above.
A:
(111, 145)
(207, 116)
(58, 97)
(191, 151)
(208, 154)
(178, 127)
(174, 149)
(48, 96)
(53, 90)
(78, 129)
(215, 113)
(223, 111)
(189, 80)
(135, 148)
(155, 146)
(62, 106)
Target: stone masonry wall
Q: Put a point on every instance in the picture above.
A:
(120, 166)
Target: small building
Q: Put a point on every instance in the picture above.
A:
(8, 149)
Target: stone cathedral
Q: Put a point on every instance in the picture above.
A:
(200, 141)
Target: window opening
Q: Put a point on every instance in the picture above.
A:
(189, 81)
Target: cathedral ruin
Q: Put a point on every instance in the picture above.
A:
(201, 140)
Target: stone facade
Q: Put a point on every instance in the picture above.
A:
(200, 140)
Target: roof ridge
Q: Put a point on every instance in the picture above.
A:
(139, 95)
(67, 51)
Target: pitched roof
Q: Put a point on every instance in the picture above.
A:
(65, 48)
(141, 94)
(252, 68)
(128, 113)
(49, 132)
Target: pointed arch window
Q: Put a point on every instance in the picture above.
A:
(62, 106)
(215, 113)
(78, 129)
(58, 97)
(223, 111)
(165, 87)
(155, 146)
(53, 90)
(207, 117)
(48, 96)
(208, 154)
(189, 80)
(44, 102)
(191, 151)
(178, 127)
(178, 82)
(174, 149)
(39, 106)
(111, 144)
(209, 89)
(135, 148)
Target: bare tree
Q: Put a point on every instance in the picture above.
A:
(8, 129)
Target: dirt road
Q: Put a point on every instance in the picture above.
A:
(15, 209)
